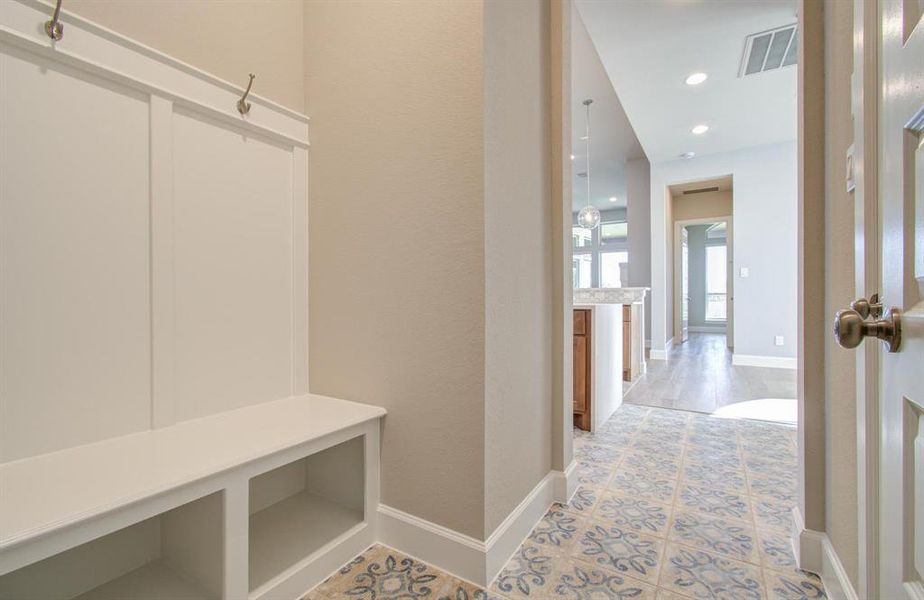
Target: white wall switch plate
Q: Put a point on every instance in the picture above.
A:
(778, 340)
(745, 272)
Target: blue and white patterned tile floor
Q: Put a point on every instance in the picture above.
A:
(671, 505)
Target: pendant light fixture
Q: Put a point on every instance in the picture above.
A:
(589, 216)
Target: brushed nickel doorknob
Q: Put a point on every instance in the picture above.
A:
(850, 328)
(868, 308)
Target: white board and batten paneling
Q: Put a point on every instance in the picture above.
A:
(153, 332)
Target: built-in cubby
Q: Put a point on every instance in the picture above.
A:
(298, 509)
(177, 554)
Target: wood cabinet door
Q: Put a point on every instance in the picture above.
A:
(581, 352)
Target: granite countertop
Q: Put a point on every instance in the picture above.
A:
(624, 295)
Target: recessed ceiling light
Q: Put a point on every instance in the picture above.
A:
(696, 78)
(688, 155)
(572, 157)
(614, 199)
(700, 129)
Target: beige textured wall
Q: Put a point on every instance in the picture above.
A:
(224, 38)
(560, 177)
(701, 206)
(518, 254)
(840, 365)
(813, 323)
(395, 93)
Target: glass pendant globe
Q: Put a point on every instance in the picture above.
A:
(589, 217)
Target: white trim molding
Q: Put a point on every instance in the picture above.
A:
(444, 548)
(755, 360)
(464, 556)
(815, 553)
(707, 328)
(662, 354)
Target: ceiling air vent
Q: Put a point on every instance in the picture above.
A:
(701, 190)
(770, 50)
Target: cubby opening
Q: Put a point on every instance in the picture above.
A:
(298, 508)
(176, 555)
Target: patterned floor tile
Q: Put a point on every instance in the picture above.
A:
(456, 589)
(723, 443)
(583, 501)
(726, 537)
(630, 482)
(621, 550)
(699, 574)
(776, 550)
(384, 574)
(617, 536)
(771, 486)
(557, 530)
(713, 455)
(713, 426)
(664, 594)
(597, 453)
(661, 464)
(791, 586)
(715, 475)
(632, 512)
(718, 503)
(777, 468)
(594, 473)
(772, 514)
(528, 574)
(581, 581)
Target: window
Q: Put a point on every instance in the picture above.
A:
(601, 256)
(716, 273)
(614, 232)
(581, 238)
(581, 269)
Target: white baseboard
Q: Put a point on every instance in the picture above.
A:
(656, 354)
(707, 328)
(464, 556)
(815, 552)
(756, 360)
(565, 483)
(444, 548)
(508, 536)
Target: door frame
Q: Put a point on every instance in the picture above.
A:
(865, 105)
(729, 275)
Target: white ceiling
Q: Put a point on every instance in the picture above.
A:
(649, 47)
(612, 139)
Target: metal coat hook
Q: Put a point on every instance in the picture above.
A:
(243, 106)
(55, 28)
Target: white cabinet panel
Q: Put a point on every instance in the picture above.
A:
(74, 258)
(233, 286)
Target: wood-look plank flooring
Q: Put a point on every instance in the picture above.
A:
(699, 376)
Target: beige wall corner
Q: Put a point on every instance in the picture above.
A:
(840, 365)
(227, 39)
(397, 276)
(560, 174)
(517, 253)
(812, 320)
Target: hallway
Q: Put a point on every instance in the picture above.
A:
(699, 376)
(671, 505)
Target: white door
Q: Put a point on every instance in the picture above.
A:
(684, 285)
(901, 210)
(888, 106)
